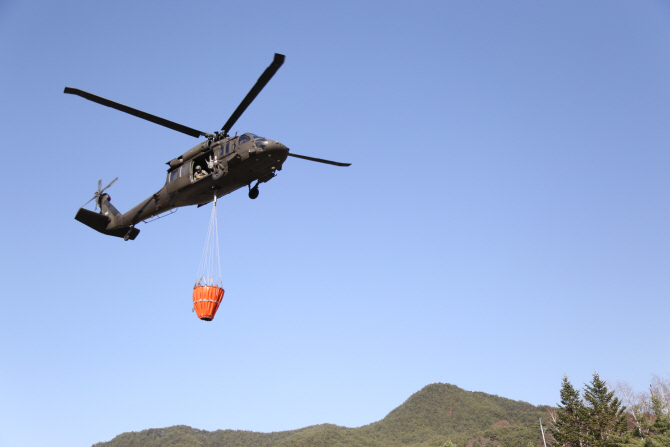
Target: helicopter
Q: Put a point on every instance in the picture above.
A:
(213, 168)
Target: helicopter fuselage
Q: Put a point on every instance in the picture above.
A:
(210, 169)
(225, 166)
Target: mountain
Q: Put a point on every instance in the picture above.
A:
(433, 416)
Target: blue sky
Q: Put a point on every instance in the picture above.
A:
(505, 220)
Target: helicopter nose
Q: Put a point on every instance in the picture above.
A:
(275, 145)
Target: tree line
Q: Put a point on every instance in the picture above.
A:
(598, 417)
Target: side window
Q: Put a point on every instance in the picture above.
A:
(173, 175)
(184, 170)
(227, 146)
(244, 138)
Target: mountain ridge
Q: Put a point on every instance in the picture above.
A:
(436, 414)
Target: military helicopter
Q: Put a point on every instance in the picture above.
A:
(215, 167)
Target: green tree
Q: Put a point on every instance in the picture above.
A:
(604, 416)
(568, 426)
(662, 423)
(659, 430)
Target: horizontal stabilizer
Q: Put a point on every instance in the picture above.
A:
(99, 223)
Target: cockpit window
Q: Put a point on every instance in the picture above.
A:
(243, 139)
(261, 143)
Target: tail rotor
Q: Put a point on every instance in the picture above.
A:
(98, 194)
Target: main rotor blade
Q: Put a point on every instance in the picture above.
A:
(138, 113)
(255, 90)
(320, 160)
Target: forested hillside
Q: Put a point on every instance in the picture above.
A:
(443, 415)
(439, 414)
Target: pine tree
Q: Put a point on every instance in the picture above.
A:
(603, 415)
(656, 431)
(660, 429)
(662, 421)
(568, 426)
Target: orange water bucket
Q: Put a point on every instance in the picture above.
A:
(206, 300)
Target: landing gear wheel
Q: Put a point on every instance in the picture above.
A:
(253, 192)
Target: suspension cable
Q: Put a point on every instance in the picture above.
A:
(206, 269)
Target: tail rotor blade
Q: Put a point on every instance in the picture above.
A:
(87, 202)
(108, 185)
(319, 160)
(99, 184)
